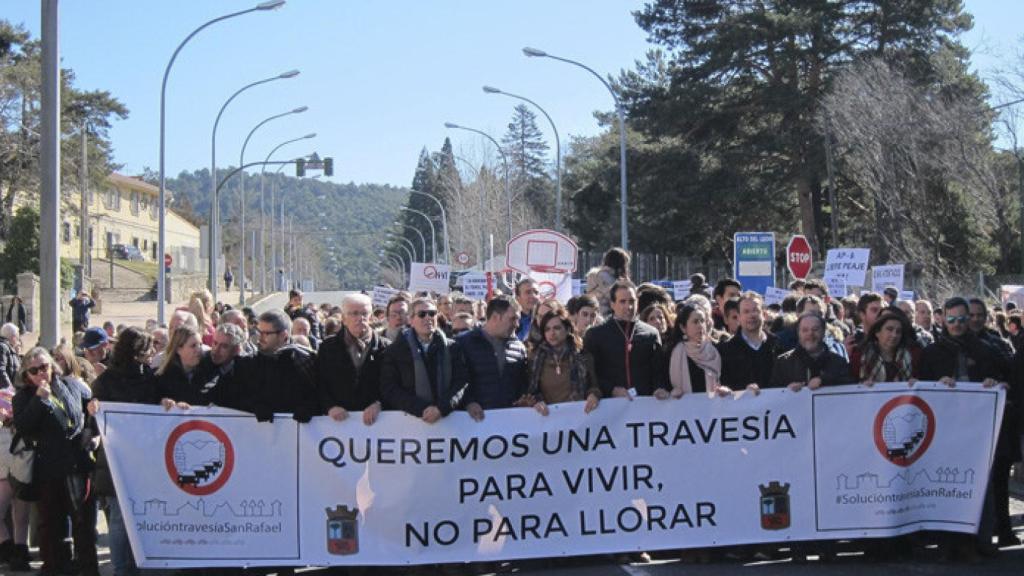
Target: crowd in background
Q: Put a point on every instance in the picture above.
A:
(429, 355)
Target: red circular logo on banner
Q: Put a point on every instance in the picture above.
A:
(199, 457)
(904, 429)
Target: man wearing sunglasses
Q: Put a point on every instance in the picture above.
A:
(416, 369)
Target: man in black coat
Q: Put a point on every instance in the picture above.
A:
(811, 363)
(749, 356)
(281, 376)
(417, 369)
(627, 352)
(348, 364)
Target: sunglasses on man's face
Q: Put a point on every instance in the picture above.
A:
(424, 313)
(37, 369)
(956, 319)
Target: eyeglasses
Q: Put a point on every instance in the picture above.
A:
(424, 313)
(269, 332)
(956, 319)
(37, 369)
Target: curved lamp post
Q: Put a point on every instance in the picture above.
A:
(161, 284)
(504, 160)
(444, 224)
(433, 232)
(263, 229)
(558, 151)
(535, 53)
(410, 250)
(214, 227)
(423, 239)
(241, 196)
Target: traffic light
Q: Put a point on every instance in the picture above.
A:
(328, 166)
(300, 167)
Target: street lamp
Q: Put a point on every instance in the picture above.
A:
(263, 252)
(535, 53)
(444, 225)
(214, 227)
(423, 240)
(410, 253)
(241, 195)
(558, 152)
(504, 160)
(161, 237)
(433, 232)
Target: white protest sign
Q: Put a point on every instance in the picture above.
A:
(849, 264)
(1012, 293)
(681, 289)
(907, 295)
(381, 296)
(836, 463)
(836, 287)
(884, 276)
(429, 277)
(773, 295)
(553, 285)
(474, 285)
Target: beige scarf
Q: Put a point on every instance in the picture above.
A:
(706, 357)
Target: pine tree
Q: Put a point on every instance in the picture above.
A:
(526, 149)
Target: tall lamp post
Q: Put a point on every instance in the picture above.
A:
(411, 253)
(241, 195)
(433, 231)
(558, 151)
(535, 53)
(214, 227)
(504, 160)
(263, 230)
(161, 286)
(444, 224)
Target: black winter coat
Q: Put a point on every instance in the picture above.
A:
(10, 362)
(59, 445)
(798, 366)
(115, 385)
(940, 359)
(280, 383)
(742, 365)
(607, 344)
(398, 381)
(477, 370)
(339, 382)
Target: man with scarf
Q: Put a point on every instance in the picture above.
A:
(416, 369)
(348, 364)
(810, 364)
(961, 355)
(492, 362)
(627, 352)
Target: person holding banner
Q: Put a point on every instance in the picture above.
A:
(416, 370)
(627, 353)
(559, 371)
(888, 353)
(694, 365)
(177, 377)
(348, 365)
(492, 362)
(51, 410)
(748, 357)
(810, 364)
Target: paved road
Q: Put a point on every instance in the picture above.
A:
(279, 299)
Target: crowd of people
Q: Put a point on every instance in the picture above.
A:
(430, 355)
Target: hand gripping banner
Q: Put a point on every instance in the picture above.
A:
(213, 487)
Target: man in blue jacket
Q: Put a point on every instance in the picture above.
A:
(492, 361)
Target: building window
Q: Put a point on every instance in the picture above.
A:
(145, 244)
(67, 232)
(135, 242)
(108, 198)
(152, 210)
(135, 202)
(117, 200)
(78, 230)
(91, 232)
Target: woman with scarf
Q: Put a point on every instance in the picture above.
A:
(177, 378)
(559, 371)
(127, 379)
(50, 410)
(888, 353)
(694, 365)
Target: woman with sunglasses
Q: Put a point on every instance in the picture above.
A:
(128, 379)
(559, 370)
(50, 410)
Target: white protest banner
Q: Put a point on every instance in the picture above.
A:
(907, 295)
(429, 277)
(836, 287)
(681, 289)
(849, 264)
(553, 285)
(884, 276)
(1012, 293)
(773, 295)
(474, 285)
(381, 295)
(840, 462)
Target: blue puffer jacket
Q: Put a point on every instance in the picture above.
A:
(477, 366)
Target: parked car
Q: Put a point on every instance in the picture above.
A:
(128, 252)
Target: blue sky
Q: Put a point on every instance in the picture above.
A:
(380, 78)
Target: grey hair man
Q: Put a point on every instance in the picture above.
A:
(10, 361)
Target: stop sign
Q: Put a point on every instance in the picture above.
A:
(798, 257)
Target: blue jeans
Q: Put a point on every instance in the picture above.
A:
(120, 549)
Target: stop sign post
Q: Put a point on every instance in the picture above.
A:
(798, 257)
